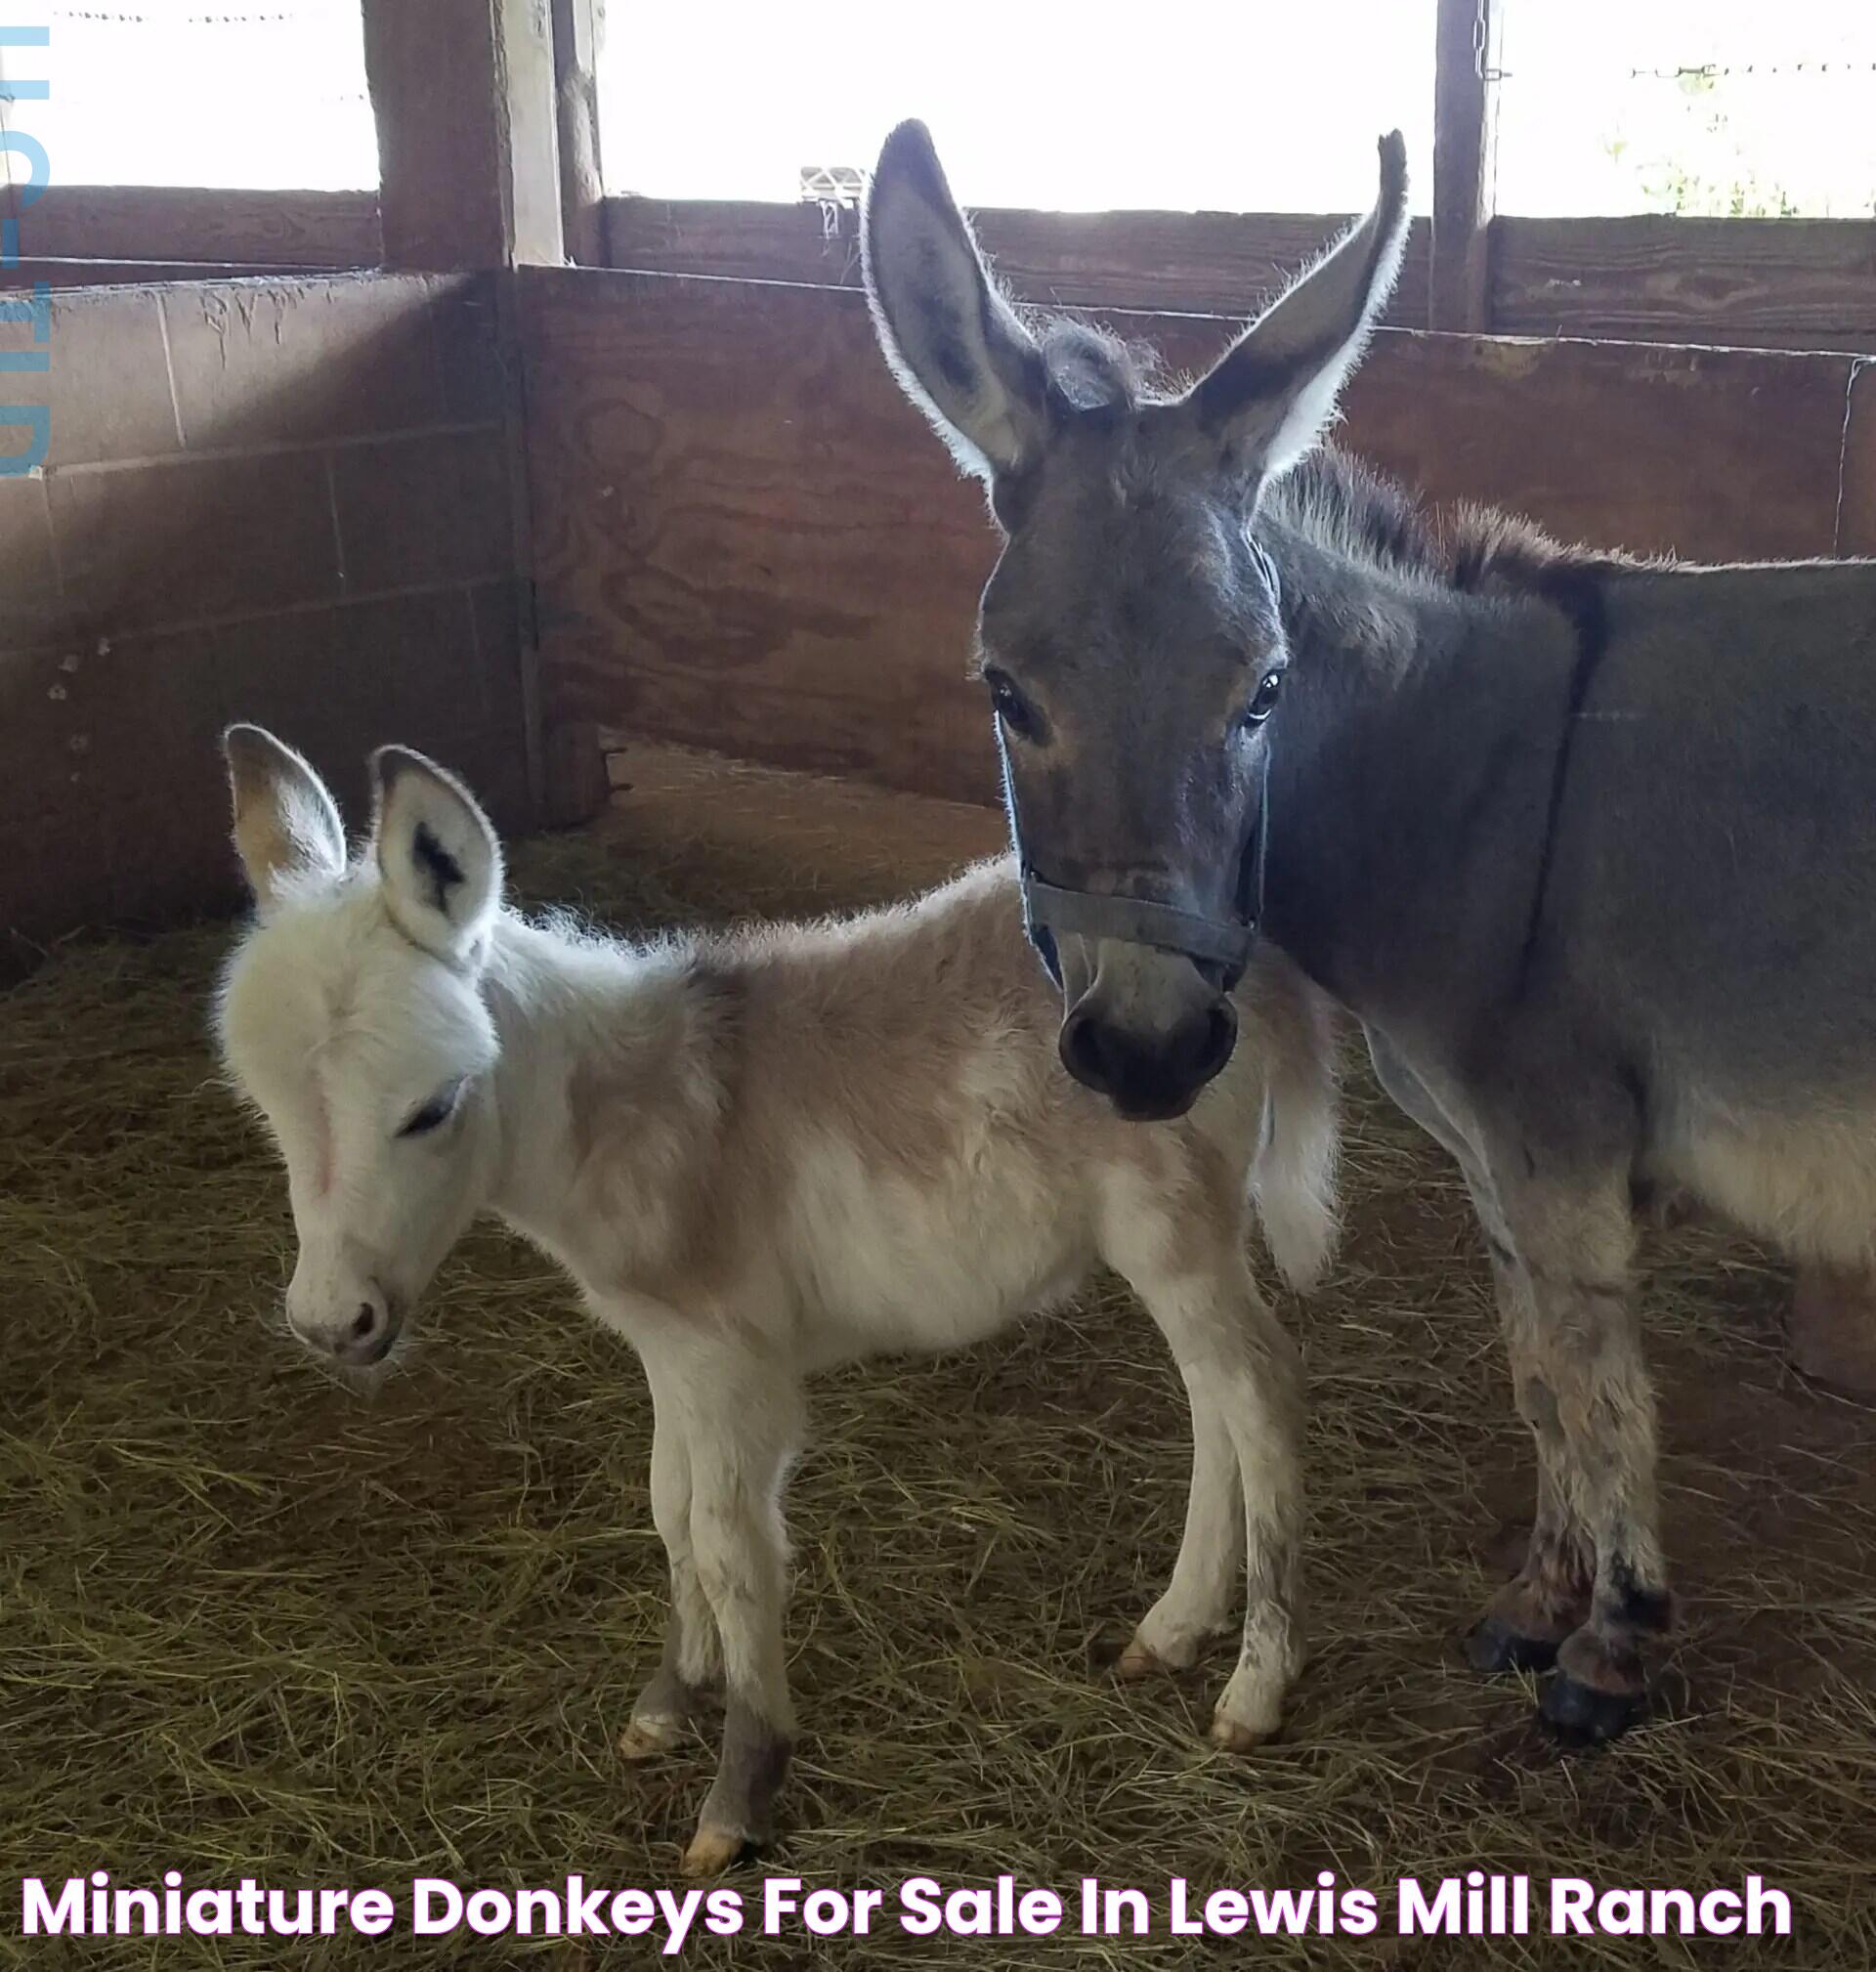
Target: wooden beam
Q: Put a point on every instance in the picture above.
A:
(1459, 294)
(1857, 473)
(463, 94)
(577, 28)
(1211, 263)
(187, 223)
(1774, 284)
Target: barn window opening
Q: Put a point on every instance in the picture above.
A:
(1248, 109)
(253, 95)
(1712, 108)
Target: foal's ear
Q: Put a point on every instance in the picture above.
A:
(953, 341)
(1272, 396)
(286, 825)
(436, 855)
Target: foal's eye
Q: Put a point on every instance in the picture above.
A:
(1010, 707)
(434, 1114)
(1264, 701)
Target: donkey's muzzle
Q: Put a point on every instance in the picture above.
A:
(1148, 1079)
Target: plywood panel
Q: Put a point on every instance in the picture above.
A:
(745, 539)
(740, 526)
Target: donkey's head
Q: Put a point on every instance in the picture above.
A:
(1130, 635)
(352, 1018)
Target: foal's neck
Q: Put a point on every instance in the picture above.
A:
(598, 1045)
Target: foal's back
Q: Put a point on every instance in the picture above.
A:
(893, 1096)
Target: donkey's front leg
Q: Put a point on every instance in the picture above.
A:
(1586, 1391)
(693, 1662)
(745, 1425)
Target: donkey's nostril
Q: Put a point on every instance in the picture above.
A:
(1082, 1053)
(366, 1322)
(1217, 1036)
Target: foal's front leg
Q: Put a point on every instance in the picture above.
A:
(1197, 1286)
(1196, 1608)
(693, 1662)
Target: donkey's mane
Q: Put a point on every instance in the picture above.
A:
(1345, 505)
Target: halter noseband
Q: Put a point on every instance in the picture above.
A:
(1051, 911)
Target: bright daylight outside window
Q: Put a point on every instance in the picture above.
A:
(1241, 106)
(255, 94)
(1729, 109)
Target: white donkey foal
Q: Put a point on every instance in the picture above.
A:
(758, 1156)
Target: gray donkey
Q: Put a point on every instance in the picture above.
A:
(1588, 845)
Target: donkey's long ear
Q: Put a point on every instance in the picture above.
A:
(286, 825)
(951, 339)
(436, 853)
(1272, 394)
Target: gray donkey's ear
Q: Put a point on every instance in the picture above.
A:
(951, 339)
(1272, 396)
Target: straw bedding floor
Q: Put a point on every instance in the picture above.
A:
(252, 1623)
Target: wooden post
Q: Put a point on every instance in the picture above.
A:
(464, 93)
(579, 25)
(1459, 294)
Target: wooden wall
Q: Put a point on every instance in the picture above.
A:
(745, 539)
(283, 500)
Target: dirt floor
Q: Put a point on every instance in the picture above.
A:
(252, 1623)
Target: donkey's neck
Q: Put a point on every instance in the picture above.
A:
(605, 1095)
(1412, 763)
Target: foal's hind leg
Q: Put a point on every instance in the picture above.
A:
(1585, 1388)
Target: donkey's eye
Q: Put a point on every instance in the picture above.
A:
(1010, 706)
(434, 1114)
(1264, 701)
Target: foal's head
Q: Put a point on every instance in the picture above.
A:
(351, 1017)
(1131, 636)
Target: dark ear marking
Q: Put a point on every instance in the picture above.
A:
(438, 867)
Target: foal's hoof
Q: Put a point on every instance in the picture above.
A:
(1582, 1715)
(1234, 1736)
(714, 1850)
(1493, 1646)
(649, 1734)
(1140, 1661)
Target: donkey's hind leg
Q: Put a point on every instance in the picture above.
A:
(1584, 1388)
(692, 1665)
(1187, 1265)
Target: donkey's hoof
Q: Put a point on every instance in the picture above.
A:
(1493, 1646)
(1582, 1715)
(649, 1733)
(713, 1850)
